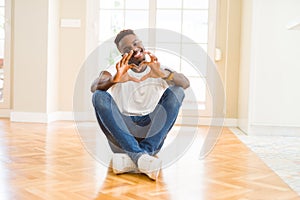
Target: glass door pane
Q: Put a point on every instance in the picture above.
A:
(2, 47)
(5, 38)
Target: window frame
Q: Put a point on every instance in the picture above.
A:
(5, 104)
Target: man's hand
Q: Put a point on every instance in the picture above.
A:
(155, 72)
(122, 68)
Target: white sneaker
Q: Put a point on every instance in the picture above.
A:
(150, 166)
(122, 163)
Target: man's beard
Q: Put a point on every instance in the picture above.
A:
(135, 61)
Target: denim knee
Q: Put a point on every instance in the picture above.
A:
(101, 99)
(178, 93)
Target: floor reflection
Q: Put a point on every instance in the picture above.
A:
(132, 186)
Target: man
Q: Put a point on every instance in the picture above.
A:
(141, 107)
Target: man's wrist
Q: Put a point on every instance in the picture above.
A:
(169, 76)
(113, 80)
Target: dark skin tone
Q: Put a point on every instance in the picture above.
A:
(134, 58)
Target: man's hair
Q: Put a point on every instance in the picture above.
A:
(122, 34)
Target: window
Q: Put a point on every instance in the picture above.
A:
(115, 15)
(5, 13)
(186, 17)
(2, 36)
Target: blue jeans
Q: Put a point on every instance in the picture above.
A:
(137, 135)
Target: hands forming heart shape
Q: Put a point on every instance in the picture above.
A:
(122, 68)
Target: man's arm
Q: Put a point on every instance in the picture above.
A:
(178, 79)
(103, 82)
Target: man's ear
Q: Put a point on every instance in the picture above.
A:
(117, 45)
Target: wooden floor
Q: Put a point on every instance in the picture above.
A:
(39, 161)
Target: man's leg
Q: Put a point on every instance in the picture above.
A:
(138, 126)
(113, 125)
(162, 119)
(114, 146)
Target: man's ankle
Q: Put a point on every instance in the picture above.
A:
(150, 166)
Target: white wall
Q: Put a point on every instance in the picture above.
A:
(30, 38)
(277, 64)
(72, 51)
(270, 61)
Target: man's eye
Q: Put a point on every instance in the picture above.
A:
(137, 43)
(126, 51)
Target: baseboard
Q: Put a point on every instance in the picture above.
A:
(69, 116)
(230, 122)
(243, 124)
(261, 130)
(266, 130)
(29, 117)
(40, 117)
(50, 117)
(255, 130)
(206, 121)
(62, 116)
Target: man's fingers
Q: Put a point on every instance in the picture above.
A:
(123, 58)
(144, 63)
(132, 66)
(118, 65)
(126, 58)
(145, 77)
(153, 58)
(130, 78)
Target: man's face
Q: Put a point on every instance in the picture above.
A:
(131, 42)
